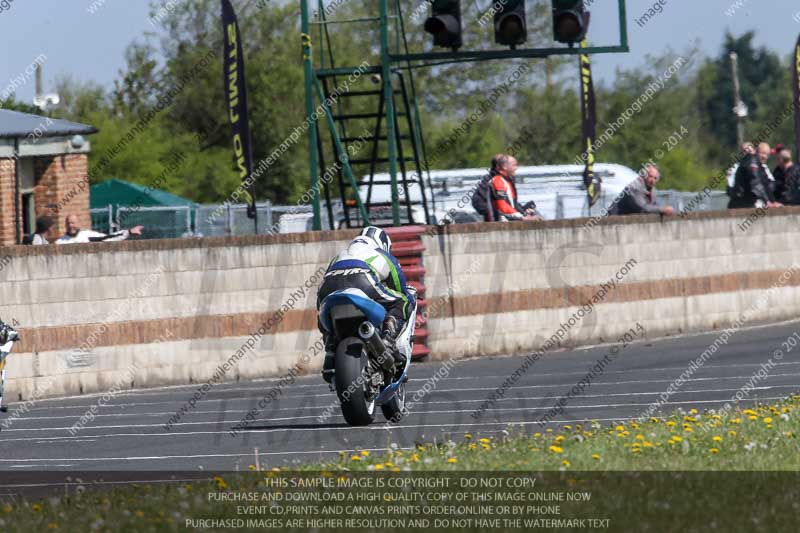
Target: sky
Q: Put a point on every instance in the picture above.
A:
(86, 39)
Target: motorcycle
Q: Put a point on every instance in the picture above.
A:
(8, 336)
(364, 367)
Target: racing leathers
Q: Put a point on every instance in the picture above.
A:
(378, 274)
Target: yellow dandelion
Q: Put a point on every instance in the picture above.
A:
(565, 462)
(36, 507)
(452, 460)
(485, 446)
(670, 423)
(639, 437)
(567, 427)
(732, 433)
(548, 430)
(768, 420)
(693, 411)
(752, 417)
(716, 438)
(677, 438)
(559, 439)
(736, 421)
(472, 446)
(688, 429)
(467, 436)
(653, 419)
(620, 428)
(485, 441)
(355, 458)
(365, 453)
(221, 485)
(634, 425)
(395, 469)
(556, 449)
(537, 435)
(647, 444)
(714, 450)
(596, 456)
(415, 457)
(748, 412)
(378, 466)
(636, 449)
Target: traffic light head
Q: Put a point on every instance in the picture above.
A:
(510, 27)
(445, 23)
(570, 21)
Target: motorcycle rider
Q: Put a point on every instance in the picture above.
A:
(7, 333)
(368, 264)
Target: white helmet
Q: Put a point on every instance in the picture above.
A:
(379, 237)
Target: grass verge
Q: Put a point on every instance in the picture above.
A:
(741, 472)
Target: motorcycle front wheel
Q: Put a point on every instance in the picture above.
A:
(395, 409)
(351, 376)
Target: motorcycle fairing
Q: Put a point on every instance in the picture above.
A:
(374, 311)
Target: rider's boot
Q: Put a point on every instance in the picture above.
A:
(330, 354)
(390, 331)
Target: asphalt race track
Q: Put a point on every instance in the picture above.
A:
(129, 434)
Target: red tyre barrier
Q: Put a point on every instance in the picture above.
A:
(408, 248)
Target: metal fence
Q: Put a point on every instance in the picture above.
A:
(231, 219)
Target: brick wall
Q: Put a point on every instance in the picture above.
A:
(60, 179)
(7, 212)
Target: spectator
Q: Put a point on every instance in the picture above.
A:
(746, 149)
(505, 201)
(791, 178)
(76, 235)
(752, 183)
(778, 187)
(640, 195)
(43, 226)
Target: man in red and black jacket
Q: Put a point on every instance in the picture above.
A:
(505, 202)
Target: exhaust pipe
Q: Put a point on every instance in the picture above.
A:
(373, 340)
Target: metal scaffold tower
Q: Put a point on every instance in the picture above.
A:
(386, 123)
(390, 188)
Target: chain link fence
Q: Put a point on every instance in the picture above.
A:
(226, 220)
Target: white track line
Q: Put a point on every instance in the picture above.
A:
(410, 391)
(324, 407)
(374, 427)
(314, 417)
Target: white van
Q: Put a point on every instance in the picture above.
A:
(558, 191)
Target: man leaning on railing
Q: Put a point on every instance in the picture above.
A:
(76, 235)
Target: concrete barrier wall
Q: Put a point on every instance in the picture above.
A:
(116, 315)
(151, 313)
(518, 286)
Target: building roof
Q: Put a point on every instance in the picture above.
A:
(124, 193)
(15, 124)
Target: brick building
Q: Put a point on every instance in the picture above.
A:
(44, 164)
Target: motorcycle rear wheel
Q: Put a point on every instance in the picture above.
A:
(351, 383)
